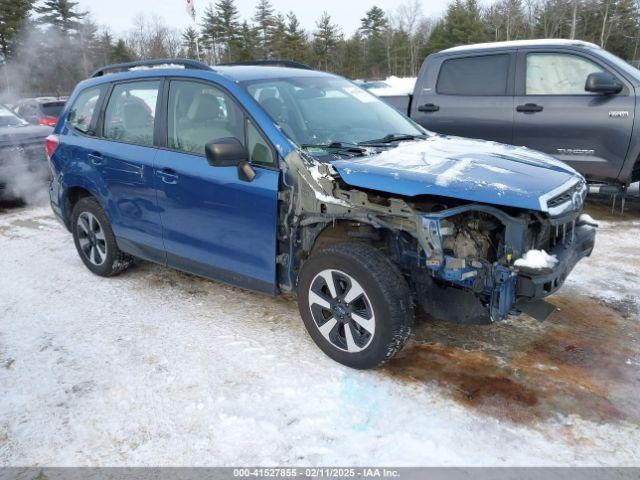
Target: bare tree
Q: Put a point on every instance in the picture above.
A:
(409, 16)
(152, 38)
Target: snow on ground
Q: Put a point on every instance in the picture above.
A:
(156, 367)
(397, 86)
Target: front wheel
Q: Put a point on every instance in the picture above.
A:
(355, 304)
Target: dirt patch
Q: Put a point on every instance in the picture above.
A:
(599, 207)
(579, 362)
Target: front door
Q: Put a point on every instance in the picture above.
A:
(554, 113)
(215, 224)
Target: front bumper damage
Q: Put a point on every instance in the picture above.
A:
(490, 291)
(463, 289)
(534, 284)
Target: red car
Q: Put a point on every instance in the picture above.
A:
(40, 111)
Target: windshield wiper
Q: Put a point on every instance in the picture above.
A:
(392, 137)
(338, 146)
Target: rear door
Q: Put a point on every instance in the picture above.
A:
(554, 113)
(125, 159)
(469, 95)
(215, 224)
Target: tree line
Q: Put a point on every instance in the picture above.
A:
(47, 46)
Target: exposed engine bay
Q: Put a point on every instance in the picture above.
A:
(458, 256)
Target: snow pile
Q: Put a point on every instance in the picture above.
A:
(537, 259)
(588, 219)
(397, 86)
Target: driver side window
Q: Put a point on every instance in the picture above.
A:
(558, 74)
(199, 113)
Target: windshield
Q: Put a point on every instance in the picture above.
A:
(8, 118)
(323, 110)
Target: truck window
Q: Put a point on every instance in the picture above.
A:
(130, 114)
(485, 75)
(558, 74)
(199, 113)
(82, 112)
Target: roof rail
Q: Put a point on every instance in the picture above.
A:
(123, 67)
(268, 63)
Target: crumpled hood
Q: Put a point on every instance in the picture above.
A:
(457, 167)
(23, 134)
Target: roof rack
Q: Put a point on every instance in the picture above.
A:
(268, 63)
(123, 67)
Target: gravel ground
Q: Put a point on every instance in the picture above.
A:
(156, 367)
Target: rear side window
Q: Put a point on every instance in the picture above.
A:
(478, 76)
(82, 114)
(130, 114)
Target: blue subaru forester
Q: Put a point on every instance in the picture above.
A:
(292, 180)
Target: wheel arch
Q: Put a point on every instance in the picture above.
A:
(72, 195)
(319, 233)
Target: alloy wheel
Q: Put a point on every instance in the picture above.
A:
(93, 243)
(341, 310)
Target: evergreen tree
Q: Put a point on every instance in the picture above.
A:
(461, 25)
(61, 14)
(325, 42)
(278, 37)
(190, 43)
(211, 34)
(295, 40)
(246, 43)
(121, 53)
(265, 22)
(104, 49)
(372, 28)
(13, 16)
(227, 24)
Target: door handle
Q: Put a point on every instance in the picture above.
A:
(168, 176)
(529, 108)
(428, 107)
(96, 158)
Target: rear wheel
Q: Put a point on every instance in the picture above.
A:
(355, 304)
(95, 241)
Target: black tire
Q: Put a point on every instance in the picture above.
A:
(114, 261)
(385, 291)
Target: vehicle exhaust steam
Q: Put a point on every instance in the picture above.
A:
(24, 177)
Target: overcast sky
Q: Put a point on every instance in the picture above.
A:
(118, 14)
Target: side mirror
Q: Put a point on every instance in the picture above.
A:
(603, 82)
(229, 152)
(226, 152)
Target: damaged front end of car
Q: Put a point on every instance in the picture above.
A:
(458, 255)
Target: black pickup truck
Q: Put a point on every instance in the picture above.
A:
(568, 98)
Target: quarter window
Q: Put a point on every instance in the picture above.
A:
(130, 114)
(259, 151)
(485, 75)
(199, 113)
(558, 74)
(82, 113)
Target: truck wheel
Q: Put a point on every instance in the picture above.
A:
(355, 304)
(95, 241)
